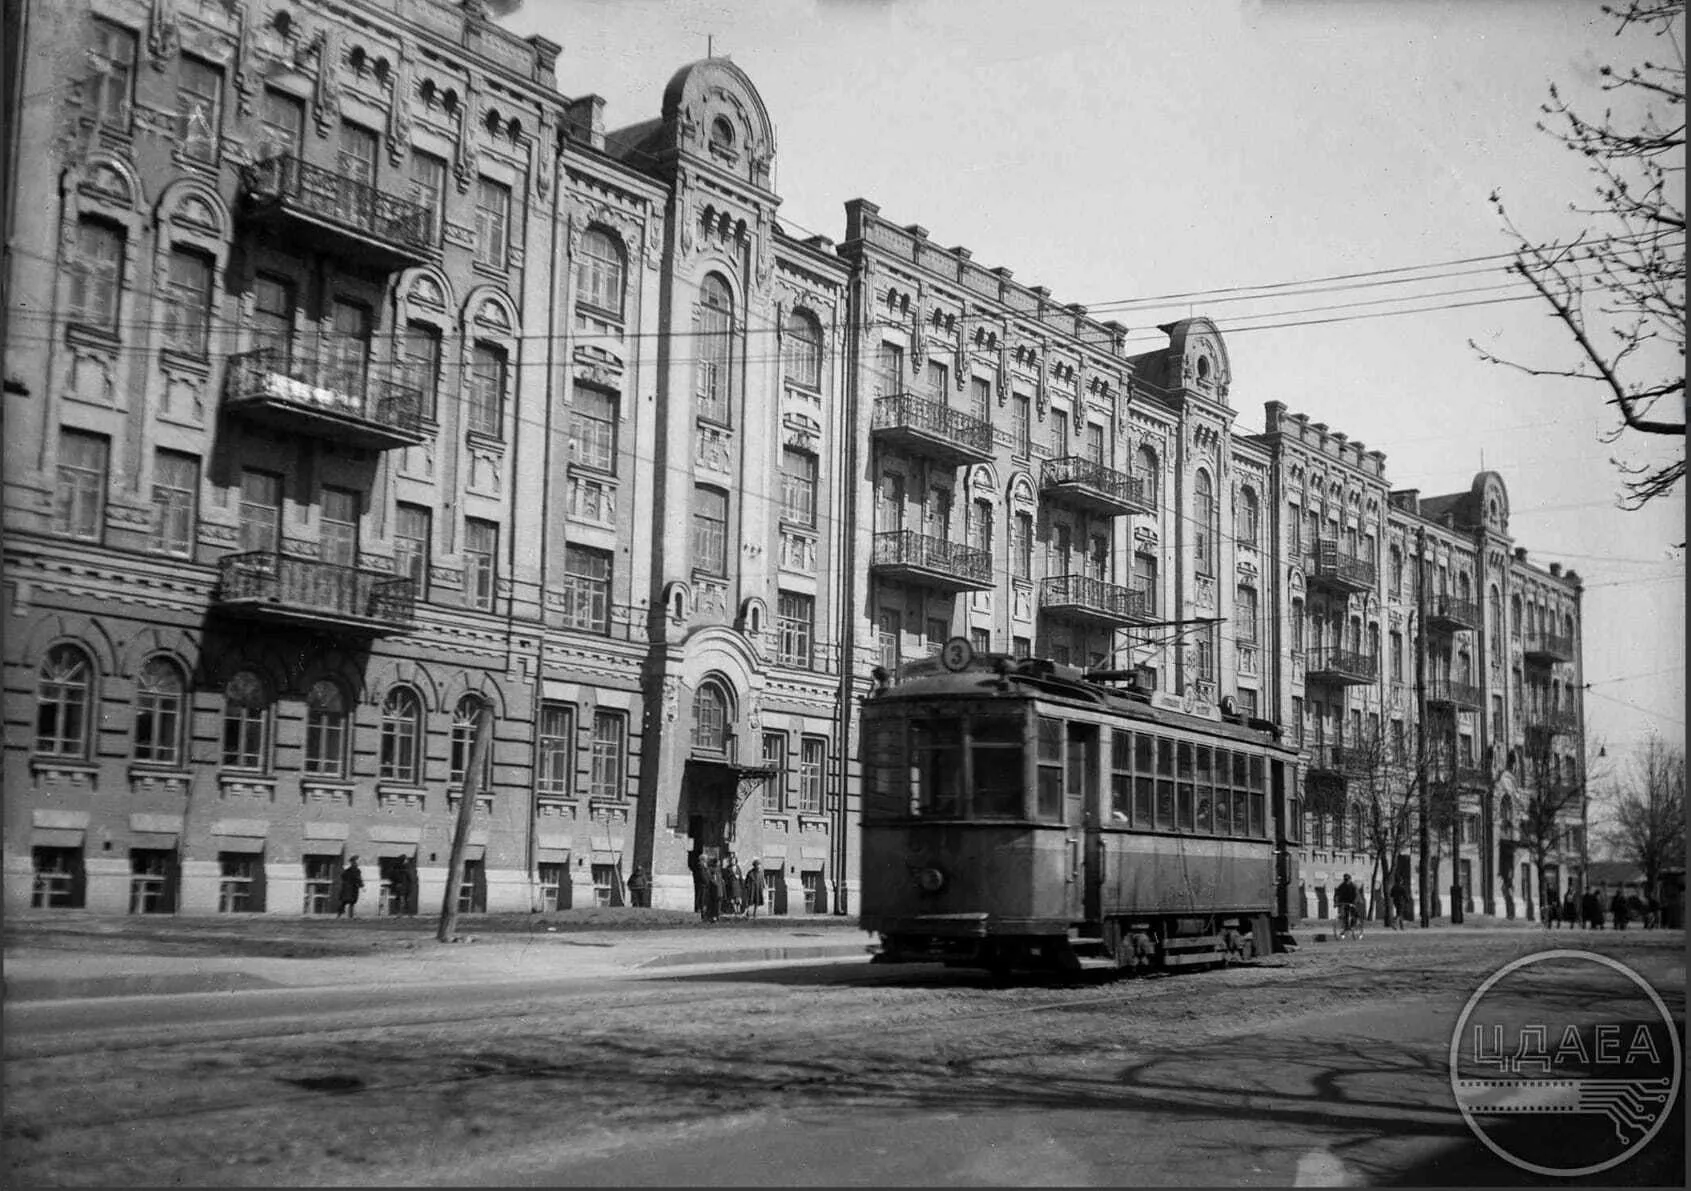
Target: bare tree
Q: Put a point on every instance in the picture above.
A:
(1619, 286)
(1375, 778)
(1552, 789)
(1648, 812)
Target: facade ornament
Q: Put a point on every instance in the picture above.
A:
(464, 167)
(961, 371)
(164, 33)
(1004, 382)
(399, 111)
(327, 107)
(918, 338)
(543, 153)
(1041, 395)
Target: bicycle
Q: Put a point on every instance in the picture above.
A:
(1350, 923)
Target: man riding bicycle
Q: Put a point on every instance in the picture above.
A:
(1344, 900)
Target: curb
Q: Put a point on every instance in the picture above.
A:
(48, 988)
(757, 955)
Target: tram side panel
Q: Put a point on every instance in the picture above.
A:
(1154, 875)
(963, 879)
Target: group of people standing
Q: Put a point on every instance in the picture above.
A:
(401, 878)
(719, 887)
(1587, 910)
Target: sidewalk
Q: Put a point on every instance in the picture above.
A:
(53, 957)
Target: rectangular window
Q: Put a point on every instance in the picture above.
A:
(980, 398)
(796, 617)
(412, 534)
(346, 354)
(939, 379)
(593, 430)
(1205, 639)
(710, 531)
(609, 728)
(57, 878)
(891, 379)
(493, 220)
(1247, 702)
(355, 159)
(605, 885)
(421, 364)
(112, 57)
(980, 640)
(1095, 443)
(240, 888)
(428, 187)
(481, 553)
(554, 886)
(283, 118)
(322, 875)
(340, 527)
(1245, 616)
(1145, 579)
(199, 100)
(176, 490)
(890, 630)
(79, 503)
(1021, 647)
(1397, 656)
(587, 589)
(554, 749)
(487, 390)
(187, 303)
(273, 320)
(1059, 431)
(96, 274)
(774, 786)
(1297, 719)
(1021, 546)
(1050, 779)
(810, 882)
(813, 750)
(1121, 777)
(1022, 423)
(798, 487)
(1294, 530)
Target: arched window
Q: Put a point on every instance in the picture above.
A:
(801, 351)
(1203, 523)
(246, 722)
(714, 357)
(1145, 471)
(160, 692)
(1494, 623)
(721, 133)
(1248, 519)
(325, 729)
(464, 717)
(64, 696)
(1296, 625)
(402, 716)
(599, 271)
(1465, 589)
(1515, 617)
(710, 718)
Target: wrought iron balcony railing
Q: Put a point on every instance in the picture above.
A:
(268, 585)
(1551, 722)
(1457, 694)
(1336, 571)
(1345, 667)
(384, 225)
(340, 397)
(1548, 648)
(1080, 481)
(931, 562)
(1344, 760)
(1087, 598)
(1449, 614)
(932, 429)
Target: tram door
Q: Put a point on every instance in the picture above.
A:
(1080, 816)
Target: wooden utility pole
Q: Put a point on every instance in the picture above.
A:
(1419, 620)
(473, 766)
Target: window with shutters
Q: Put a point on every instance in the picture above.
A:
(96, 274)
(79, 499)
(176, 490)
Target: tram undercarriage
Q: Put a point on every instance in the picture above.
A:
(1135, 945)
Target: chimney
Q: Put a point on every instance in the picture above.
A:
(1520, 553)
(1556, 569)
(584, 120)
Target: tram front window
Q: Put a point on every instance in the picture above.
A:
(936, 768)
(996, 750)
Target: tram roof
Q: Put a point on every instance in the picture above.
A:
(1001, 676)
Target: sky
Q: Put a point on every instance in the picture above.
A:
(1120, 153)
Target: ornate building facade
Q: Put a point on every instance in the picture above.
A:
(359, 382)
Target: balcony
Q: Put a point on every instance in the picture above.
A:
(1342, 761)
(1093, 601)
(279, 588)
(1551, 723)
(932, 430)
(338, 215)
(345, 402)
(1446, 692)
(1548, 648)
(1084, 484)
(1333, 571)
(1341, 667)
(911, 557)
(1447, 614)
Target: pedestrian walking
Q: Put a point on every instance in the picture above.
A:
(352, 883)
(640, 887)
(696, 862)
(754, 887)
(1552, 909)
(1570, 910)
(713, 891)
(1591, 909)
(1400, 899)
(733, 889)
(1618, 908)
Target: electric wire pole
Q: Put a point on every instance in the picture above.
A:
(1419, 629)
(461, 832)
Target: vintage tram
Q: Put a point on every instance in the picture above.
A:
(1020, 813)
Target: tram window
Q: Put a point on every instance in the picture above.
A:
(1165, 784)
(886, 782)
(1144, 785)
(1256, 796)
(1241, 785)
(1121, 777)
(1223, 795)
(1206, 818)
(1050, 768)
(1183, 771)
(936, 769)
(995, 748)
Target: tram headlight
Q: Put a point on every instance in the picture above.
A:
(930, 880)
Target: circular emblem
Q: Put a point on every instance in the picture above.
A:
(1565, 1063)
(956, 654)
